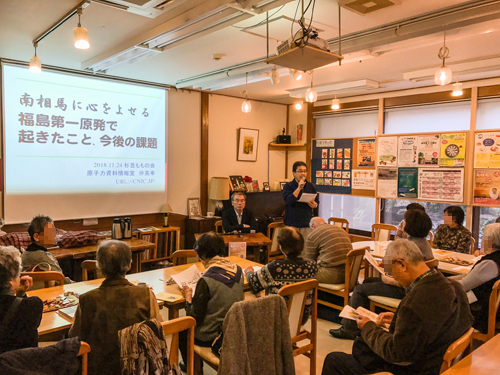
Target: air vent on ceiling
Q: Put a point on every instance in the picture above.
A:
(147, 8)
(367, 6)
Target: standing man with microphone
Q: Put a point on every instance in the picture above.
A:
(299, 214)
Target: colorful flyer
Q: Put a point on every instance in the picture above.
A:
(339, 164)
(319, 181)
(441, 184)
(366, 152)
(337, 182)
(337, 174)
(332, 164)
(324, 153)
(428, 147)
(387, 151)
(363, 179)
(346, 183)
(346, 174)
(407, 151)
(328, 181)
(340, 153)
(347, 153)
(319, 173)
(487, 187)
(324, 164)
(387, 186)
(452, 150)
(408, 182)
(332, 153)
(347, 164)
(487, 150)
(328, 174)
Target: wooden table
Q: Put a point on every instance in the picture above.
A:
(52, 323)
(378, 251)
(482, 361)
(137, 247)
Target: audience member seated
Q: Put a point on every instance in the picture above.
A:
(417, 226)
(482, 277)
(238, 218)
(115, 305)
(327, 245)
(400, 233)
(43, 234)
(285, 271)
(452, 235)
(216, 291)
(20, 315)
(433, 314)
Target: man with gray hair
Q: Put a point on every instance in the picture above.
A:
(115, 305)
(327, 245)
(433, 314)
(238, 218)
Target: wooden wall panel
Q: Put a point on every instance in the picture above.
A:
(205, 98)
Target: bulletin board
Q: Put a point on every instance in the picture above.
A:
(486, 168)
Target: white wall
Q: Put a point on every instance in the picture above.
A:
(296, 117)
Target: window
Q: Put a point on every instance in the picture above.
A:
(347, 125)
(428, 118)
(359, 211)
(487, 215)
(394, 211)
(488, 113)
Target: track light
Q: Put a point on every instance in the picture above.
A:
(35, 62)
(335, 104)
(298, 106)
(311, 94)
(443, 75)
(275, 77)
(246, 106)
(457, 89)
(297, 74)
(81, 35)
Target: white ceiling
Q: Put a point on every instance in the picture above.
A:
(112, 30)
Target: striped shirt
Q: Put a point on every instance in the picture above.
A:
(329, 244)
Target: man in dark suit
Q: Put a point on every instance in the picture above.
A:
(238, 218)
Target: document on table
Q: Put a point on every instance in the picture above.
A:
(188, 278)
(307, 197)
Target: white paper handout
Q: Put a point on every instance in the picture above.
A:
(350, 313)
(188, 278)
(373, 262)
(307, 197)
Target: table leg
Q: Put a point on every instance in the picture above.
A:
(173, 313)
(256, 254)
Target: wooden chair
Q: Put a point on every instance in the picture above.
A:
(45, 276)
(273, 230)
(492, 315)
(339, 222)
(184, 257)
(472, 245)
(382, 232)
(352, 268)
(84, 351)
(460, 348)
(173, 327)
(392, 304)
(90, 266)
(297, 295)
(218, 227)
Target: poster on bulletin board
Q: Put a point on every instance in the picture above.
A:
(408, 182)
(441, 184)
(366, 152)
(331, 165)
(452, 150)
(407, 151)
(428, 148)
(487, 150)
(487, 187)
(387, 179)
(387, 151)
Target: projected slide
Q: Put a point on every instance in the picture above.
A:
(71, 134)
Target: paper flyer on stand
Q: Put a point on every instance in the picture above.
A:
(452, 150)
(487, 150)
(428, 147)
(366, 152)
(387, 183)
(487, 186)
(387, 151)
(237, 249)
(407, 151)
(441, 184)
(363, 179)
(408, 182)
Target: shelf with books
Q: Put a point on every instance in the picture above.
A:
(166, 239)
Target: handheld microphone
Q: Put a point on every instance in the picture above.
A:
(303, 179)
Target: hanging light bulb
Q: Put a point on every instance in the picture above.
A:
(335, 104)
(246, 106)
(311, 94)
(35, 62)
(81, 35)
(457, 89)
(444, 74)
(275, 77)
(298, 106)
(297, 74)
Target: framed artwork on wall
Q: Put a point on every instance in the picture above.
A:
(194, 207)
(248, 140)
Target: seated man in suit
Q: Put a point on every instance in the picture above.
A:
(238, 218)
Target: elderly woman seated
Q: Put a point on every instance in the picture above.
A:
(483, 275)
(115, 305)
(20, 316)
(452, 235)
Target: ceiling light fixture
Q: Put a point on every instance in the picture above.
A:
(275, 77)
(335, 104)
(457, 89)
(81, 35)
(35, 62)
(311, 94)
(298, 106)
(443, 75)
(297, 74)
(246, 106)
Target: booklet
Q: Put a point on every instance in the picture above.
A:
(188, 278)
(349, 312)
(374, 262)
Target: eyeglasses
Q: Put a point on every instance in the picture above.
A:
(301, 171)
(239, 200)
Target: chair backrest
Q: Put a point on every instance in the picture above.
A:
(90, 265)
(353, 266)
(297, 296)
(456, 350)
(272, 232)
(431, 238)
(472, 245)
(173, 327)
(45, 276)
(184, 257)
(84, 351)
(493, 309)
(218, 227)
(432, 263)
(339, 222)
(382, 232)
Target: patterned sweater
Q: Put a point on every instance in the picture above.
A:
(454, 239)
